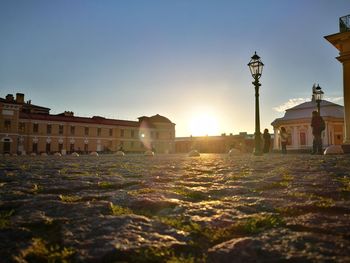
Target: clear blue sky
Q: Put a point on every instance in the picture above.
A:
(125, 59)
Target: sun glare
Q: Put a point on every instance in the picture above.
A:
(204, 123)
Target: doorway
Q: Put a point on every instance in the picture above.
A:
(7, 146)
(338, 138)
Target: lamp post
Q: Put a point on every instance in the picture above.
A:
(256, 67)
(318, 95)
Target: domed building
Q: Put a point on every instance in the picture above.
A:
(297, 122)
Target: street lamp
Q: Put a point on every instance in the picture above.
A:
(318, 95)
(256, 67)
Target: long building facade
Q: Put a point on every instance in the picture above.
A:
(215, 144)
(26, 128)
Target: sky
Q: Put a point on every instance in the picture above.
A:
(183, 59)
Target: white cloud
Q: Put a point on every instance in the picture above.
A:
(296, 101)
(338, 100)
(290, 103)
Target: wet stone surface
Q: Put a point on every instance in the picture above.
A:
(175, 208)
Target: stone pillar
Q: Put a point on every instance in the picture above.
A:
(341, 41)
(295, 139)
(325, 141)
(310, 137)
(275, 139)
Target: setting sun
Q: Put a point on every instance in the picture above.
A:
(204, 123)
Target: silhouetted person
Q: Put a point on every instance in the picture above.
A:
(284, 139)
(318, 125)
(267, 141)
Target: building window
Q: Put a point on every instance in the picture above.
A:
(289, 140)
(48, 129)
(35, 127)
(48, 147)
(72, 130)
(110, 132)
(7, 124)
(60, 147)
(121, 133)
(302, 138)
(132, 133)
(60, 129)
(72, 147)
(35, 148)
(22, 127)
(86, 131)
(98, 131)
(7, 146)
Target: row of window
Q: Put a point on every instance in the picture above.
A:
(87, 130)
(72, 147)
(60, 129)
(60, 147)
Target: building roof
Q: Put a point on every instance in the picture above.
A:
(155, 118)
(159, 118)
(35, 112)
(27, 106)
(304, 111)
(93, 120)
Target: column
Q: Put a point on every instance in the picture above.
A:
(341, 41)
(325, 139)
(295, 138)
(275, 139)
(310, 137)
(346, 89)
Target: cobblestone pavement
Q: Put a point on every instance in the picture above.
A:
(174, 208)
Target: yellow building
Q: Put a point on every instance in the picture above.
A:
(341, 41)
(214, 144)
(28, 128)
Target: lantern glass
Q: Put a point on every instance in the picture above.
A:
(318, 93)
(256, 66)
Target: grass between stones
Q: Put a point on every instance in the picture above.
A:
(105, 185)
(41, 251)
(36, 188)
(118, 210)
(193, 195)
(47, 246)
(5, 218)
(70, 198)
(155, 255)
(201, 237)
(319, 201)
(142, 191)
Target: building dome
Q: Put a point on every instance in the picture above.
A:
(297, 122)
(304, 111)
(159, 118)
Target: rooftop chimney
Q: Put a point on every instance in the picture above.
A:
(68, 113)
(9, 97)
(20, 98)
